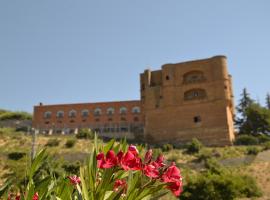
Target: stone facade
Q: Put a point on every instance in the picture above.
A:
(179, 102)
(189, 100)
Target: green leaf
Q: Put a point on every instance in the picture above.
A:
(108, 146)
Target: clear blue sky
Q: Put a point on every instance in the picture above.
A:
(69, 51)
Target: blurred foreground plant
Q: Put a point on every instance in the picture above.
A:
(111, 172)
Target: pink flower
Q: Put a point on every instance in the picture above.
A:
(120, 184)
(175, 187)
(35, 197)
(151, 171)
(74, 180)
(171, 174)
(106, 162)
(159, 161)
(18, 197)
(133, 149)
(148, 156)
(130, 162)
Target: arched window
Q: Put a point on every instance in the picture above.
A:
(110, 111)
(72, 113)
(85, 113)
(195, 94)
(136, 109)
(97, 112)
(47, 114)
(60, 114)
(123, 110)
(194, 77)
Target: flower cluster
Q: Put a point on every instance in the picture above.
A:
(153, 169)
(18, 197)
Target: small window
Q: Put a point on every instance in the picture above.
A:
(136, 119)
(72, 121)
(72, 113)
(47, 114)
(97, 119)
(195, 94)
(85, 113)
(84, 120)
(143, 86)
(60, 114)
(123, 119)
(167, 78)
(110, 111)
(136, 109)
(123, 110)
(97, 112)
(194, 77)
(47, 122)
(197, 119)
(110, 119)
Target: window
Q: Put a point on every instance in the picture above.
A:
(167, 78)
(60, 114)
(136, 119)
(85, 113)
(47, 114)
(47, 122)
(97, 120)
(123, 110)
(195, 94)
(194, 77)
(110, 119)
(72, 113)
(143, 86)
(97, 112)
(123, 119)
(136, 109)
(72, 121)
(110, 111)
(197, 119)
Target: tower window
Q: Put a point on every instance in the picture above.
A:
(197, 119)
(167, 78)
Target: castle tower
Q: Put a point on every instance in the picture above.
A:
(186, 100)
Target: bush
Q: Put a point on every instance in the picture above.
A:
(266, 146)
(252, 151)
(70, 143)
(85, 133)
(194, 146)
(225, 186)
(15, 116)
(246, 140)
(167, 147)
(52, 142)
(72, 168)
(204, 155)
(16, 155)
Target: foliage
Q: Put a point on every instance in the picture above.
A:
(266, 146)
(167, 147)
(85, 133)
(246, 140)
(72, 168)
(70, 143)
(268, 101)
(52, 142)
(16, 155)
(194, 146)
(8, 115)
(263, 138)
(105, 175)
(253, 150)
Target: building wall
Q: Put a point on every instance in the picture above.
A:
(105, 122)
(178, 106)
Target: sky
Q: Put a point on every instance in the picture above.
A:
(67, 51)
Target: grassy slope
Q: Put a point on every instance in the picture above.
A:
(17, 142)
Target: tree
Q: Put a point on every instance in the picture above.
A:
(257, 120)
(242, 107)
(268, 101)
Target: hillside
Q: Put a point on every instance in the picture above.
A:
(15, 148)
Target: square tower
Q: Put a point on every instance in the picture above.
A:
(189, 100)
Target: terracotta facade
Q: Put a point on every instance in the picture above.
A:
(179, 102)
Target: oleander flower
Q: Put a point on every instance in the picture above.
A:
(133, 149)
(120, 184)
(175, 187)
(159, 162)
(130, 162)
(35, 197)
(151, 171)
(74, 180)
(148, 156)
(171, 174)
(106, 162)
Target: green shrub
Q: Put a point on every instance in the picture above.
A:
(263, 139)
(253, 150)
(194, 146)
(266, 146)
(16, 155)
(225, 186)
(246, 140)
(22, 129)
(85, 133)
(204, 155)
(167, 147)
(70, 143)
(72, 168)
(52, 142)
(15, 116)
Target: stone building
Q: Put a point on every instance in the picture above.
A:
(179, 102)
(189, 100)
